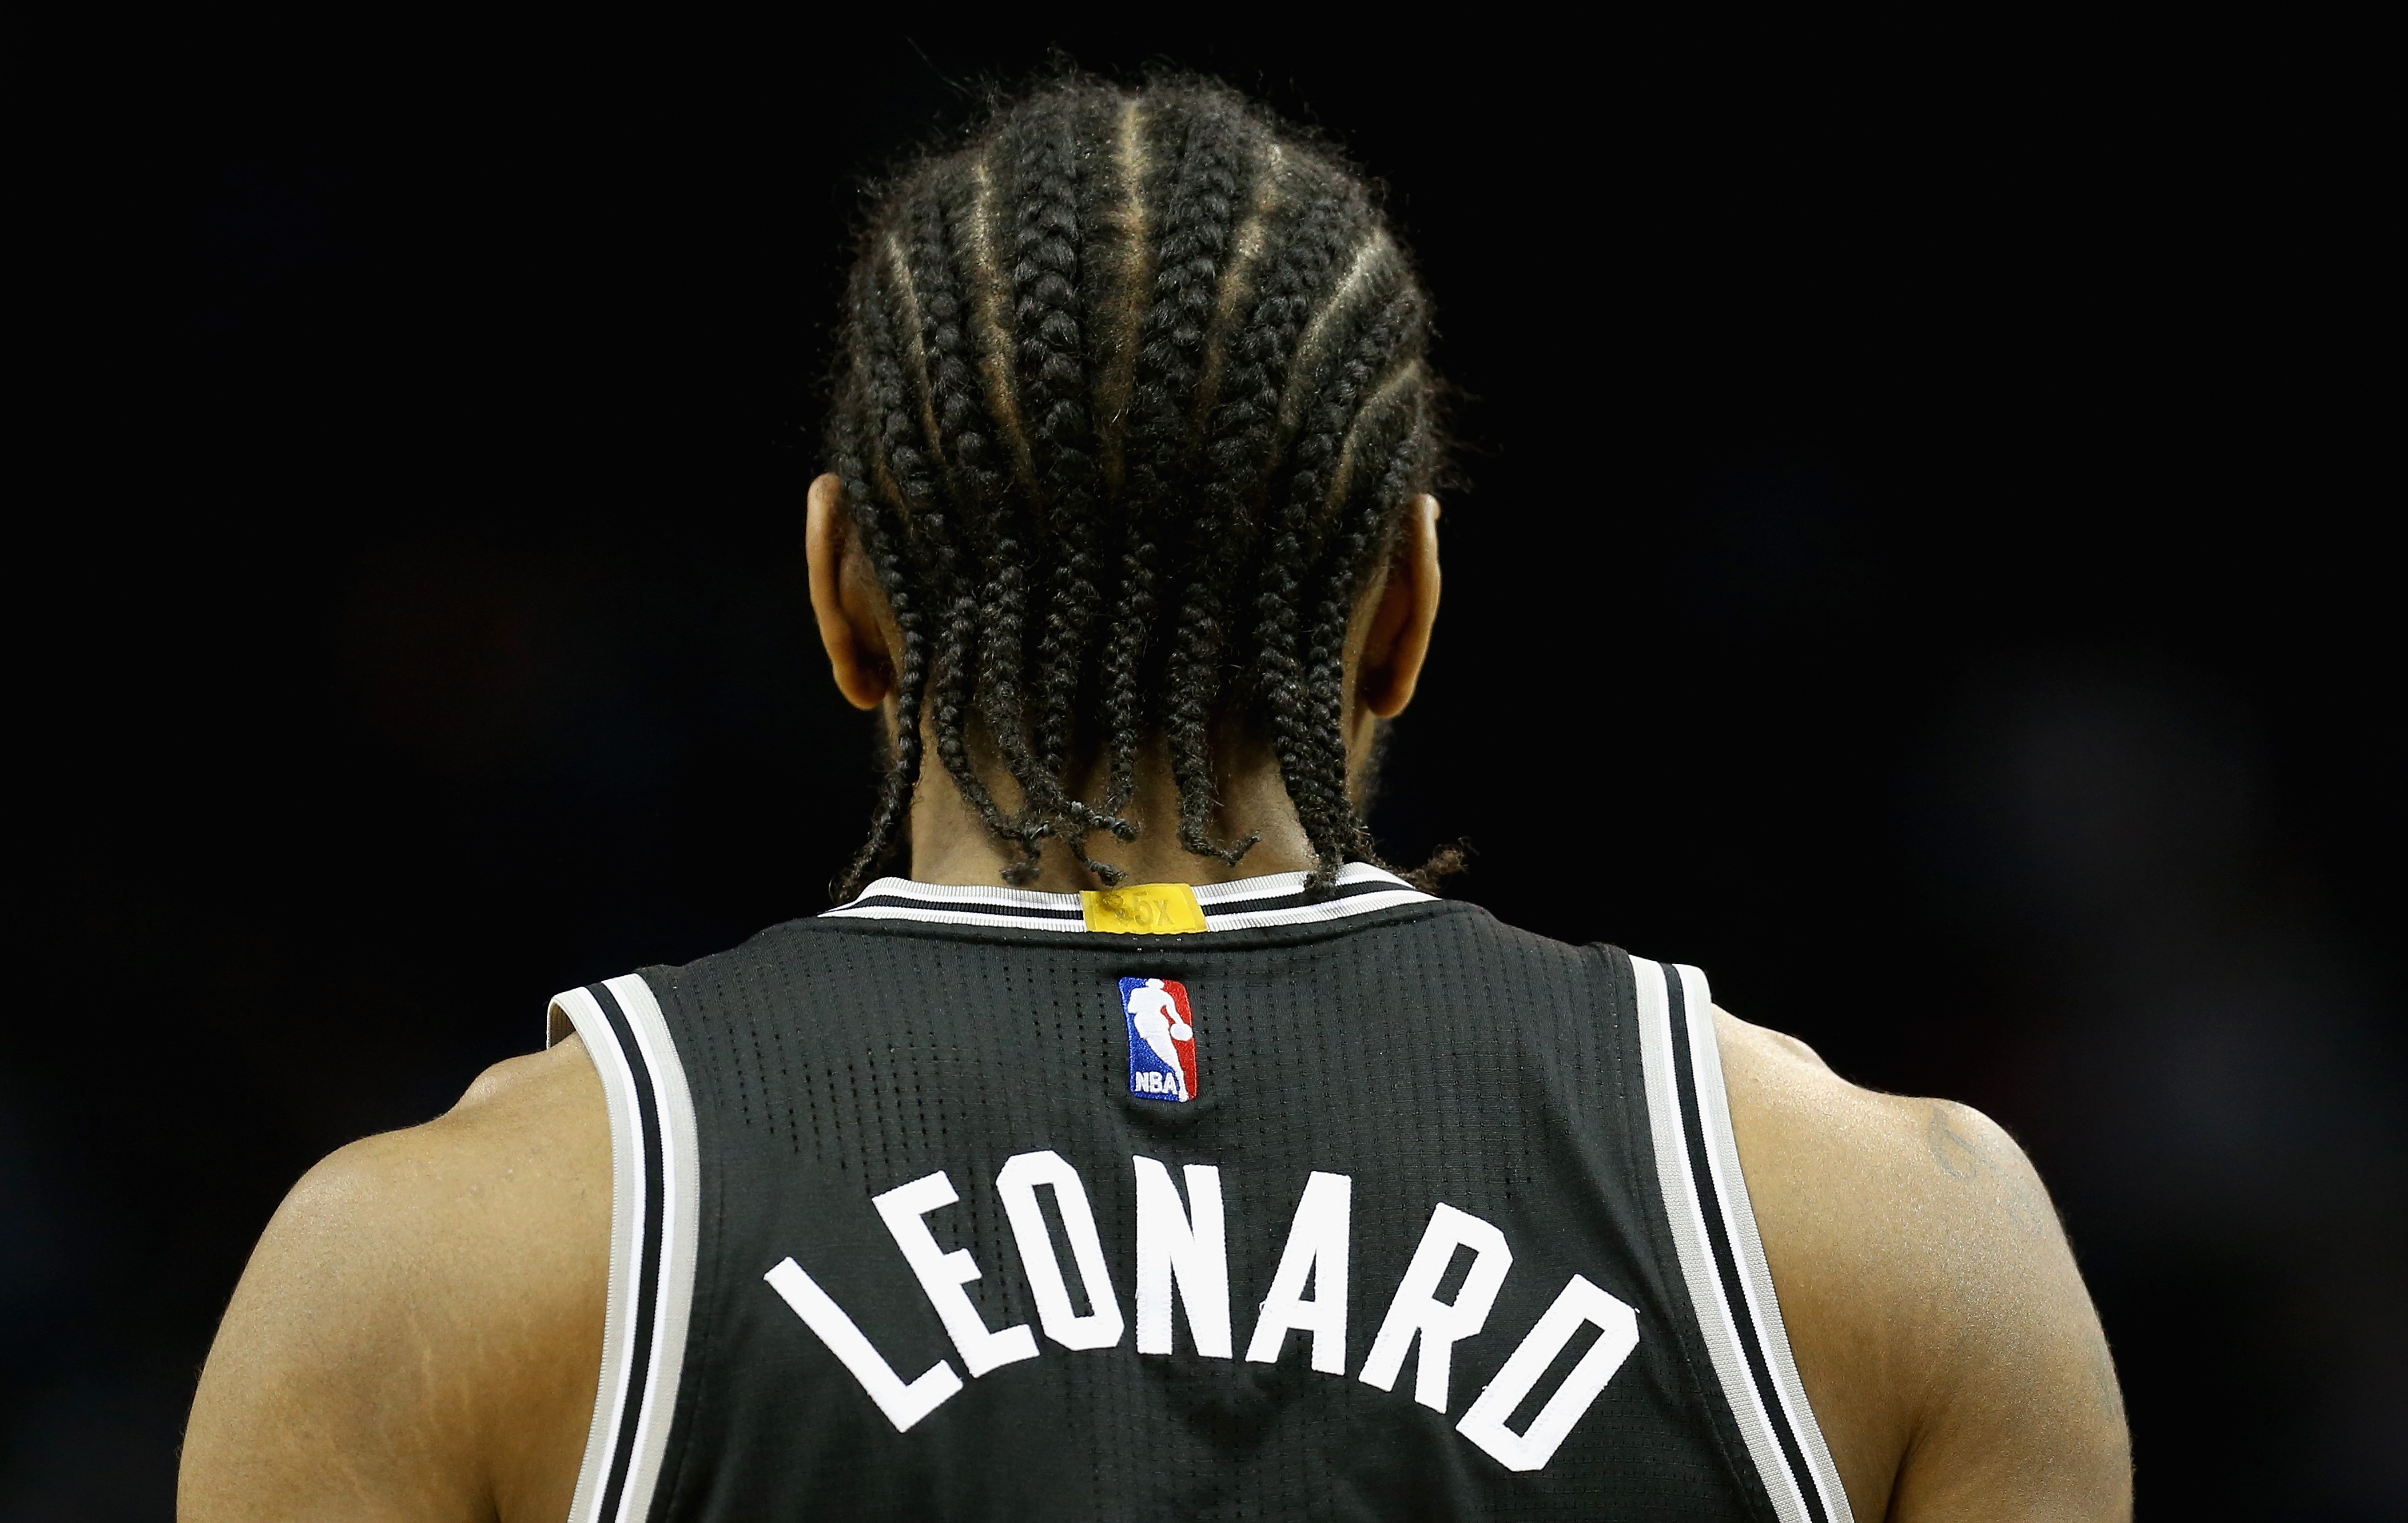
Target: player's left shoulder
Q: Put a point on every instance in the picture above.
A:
(420, 1328)
(1930, 1293)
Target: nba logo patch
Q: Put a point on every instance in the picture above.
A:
(1162, 1038)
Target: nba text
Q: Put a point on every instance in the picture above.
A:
(1182, 1266)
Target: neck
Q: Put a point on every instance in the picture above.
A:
(951, 844)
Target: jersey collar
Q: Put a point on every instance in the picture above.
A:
(1275, 898)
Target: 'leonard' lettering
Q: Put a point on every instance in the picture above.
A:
(1182, 1261)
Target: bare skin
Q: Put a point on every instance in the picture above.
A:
(417, 1336)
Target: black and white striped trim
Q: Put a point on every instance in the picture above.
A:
(1273, 899)
(655, 1190)
(1722, 1258)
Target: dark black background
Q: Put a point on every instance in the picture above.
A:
(1917, 557)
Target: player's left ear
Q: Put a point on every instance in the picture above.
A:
(1397, 641)
(845, 598)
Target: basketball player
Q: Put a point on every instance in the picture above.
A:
(891, 1214)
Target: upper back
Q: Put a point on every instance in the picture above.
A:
(1362, 1086)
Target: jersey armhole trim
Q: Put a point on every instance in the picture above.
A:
(655, 1193)
(1721, 1256)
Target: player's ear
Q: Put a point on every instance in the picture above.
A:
(847, 600)
(1398, 642)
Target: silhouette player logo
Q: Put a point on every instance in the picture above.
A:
(1161, 1038)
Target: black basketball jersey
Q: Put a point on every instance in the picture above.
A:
(954, 1204)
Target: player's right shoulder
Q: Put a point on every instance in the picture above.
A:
(419, 1296)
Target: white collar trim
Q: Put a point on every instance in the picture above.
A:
(1275, 898)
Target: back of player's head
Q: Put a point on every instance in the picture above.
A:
(1132, 398)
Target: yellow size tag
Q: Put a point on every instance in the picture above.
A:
(1142, 909)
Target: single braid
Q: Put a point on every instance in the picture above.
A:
(1001, 510)
(1245, 448)
(969, 466)
(1364, 526)
(1196, 230)
(1308, 735)
(880, 395)
(903, 771)
(1124, 697)
(1054, 388)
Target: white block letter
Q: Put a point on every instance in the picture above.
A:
(942, 1274)
(1617, 1334)
(1418, 1310)
(903, 1405)
(1173, 1242)
(1017, 1184)
(1316, 1248)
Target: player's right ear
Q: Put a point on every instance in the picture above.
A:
(845, 599)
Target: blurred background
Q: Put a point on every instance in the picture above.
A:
(1916, 557)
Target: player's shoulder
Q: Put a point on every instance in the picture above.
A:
(1912, 1162)
(418, 1293)
(516, 1174)
(1790, 1086)
(528, 1127)
(513, 1177)
(1930, 1295)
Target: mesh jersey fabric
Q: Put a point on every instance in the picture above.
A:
(1428, 1056)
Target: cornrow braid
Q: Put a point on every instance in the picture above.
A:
(1116, 283)
(1003, 527)
(930, 282)
(1254, 427)
(879, 396)
(1135, 397)
(1174, 368)
(1389, 429)
(1054, 380)
(1296, 661)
